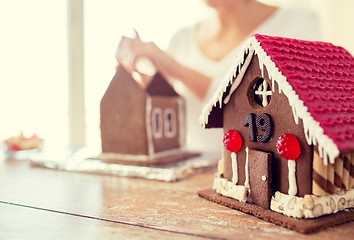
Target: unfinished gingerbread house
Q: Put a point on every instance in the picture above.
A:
(287, 110)
(142, 125)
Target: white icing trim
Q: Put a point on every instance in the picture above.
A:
(148, 126)
(170, 124)
(239, 77)
(234, 168)
(247, 180)
(313, 132)
(229, 189)
(220, 167)
(156, 126)
(182, 122)
(292, 177)
(311, 206)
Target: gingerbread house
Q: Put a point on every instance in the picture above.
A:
(287, 110)
(141, 125)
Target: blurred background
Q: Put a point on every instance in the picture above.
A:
(57, 56)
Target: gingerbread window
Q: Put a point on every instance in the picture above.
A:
(170, 123)
(262, 93)
(157, 122)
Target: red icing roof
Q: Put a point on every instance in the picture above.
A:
(322, 75)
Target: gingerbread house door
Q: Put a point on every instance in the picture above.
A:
(260, 177)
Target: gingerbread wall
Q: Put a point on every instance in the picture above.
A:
(234, 114)
(126, 116)
(123, 116)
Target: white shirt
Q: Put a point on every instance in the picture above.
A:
(287, 22)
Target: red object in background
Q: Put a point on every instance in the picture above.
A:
(288, 146)
(232, 140)
(14, 148)
(19, 143)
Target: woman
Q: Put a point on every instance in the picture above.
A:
(199, 56)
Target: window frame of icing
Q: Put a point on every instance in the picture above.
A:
(156, 122)
(170, 124)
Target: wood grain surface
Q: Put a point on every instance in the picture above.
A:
(128, 207)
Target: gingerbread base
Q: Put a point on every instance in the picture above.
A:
(150, 161)
(300, 225)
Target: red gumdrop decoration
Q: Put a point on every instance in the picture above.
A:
(232, 140)
(288, 146)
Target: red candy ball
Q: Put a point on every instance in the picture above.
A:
(288, 146)
(232, 140)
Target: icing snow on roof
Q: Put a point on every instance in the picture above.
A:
(317, 78)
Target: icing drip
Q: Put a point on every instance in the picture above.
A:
(247, 180)
(292, 178)
(296, 117)
(261, 68)
(239, 77)
(234, 168)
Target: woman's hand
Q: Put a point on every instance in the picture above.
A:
(138, 58)
(131, 49)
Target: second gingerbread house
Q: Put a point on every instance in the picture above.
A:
(142, 125)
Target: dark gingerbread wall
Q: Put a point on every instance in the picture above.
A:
(283, 122)
(123, 118)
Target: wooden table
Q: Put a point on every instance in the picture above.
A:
(38, 203)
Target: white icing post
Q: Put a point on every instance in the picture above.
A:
(292, 178)
(247, 180)
(234, 168)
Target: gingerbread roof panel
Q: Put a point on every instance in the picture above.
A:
(322, 75)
